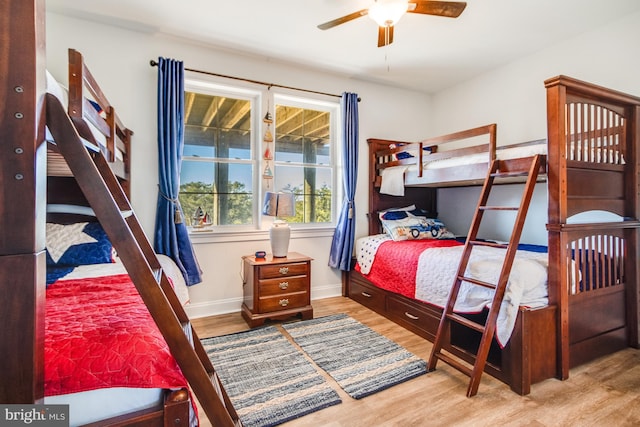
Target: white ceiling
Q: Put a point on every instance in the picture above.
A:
(429, 53)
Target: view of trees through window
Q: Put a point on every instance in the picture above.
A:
(303, 161)
(216, 177)
(221, 160)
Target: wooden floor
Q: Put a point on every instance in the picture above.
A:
(605, 392)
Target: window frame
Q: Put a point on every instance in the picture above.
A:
(255, 97)
(261, 99)
(333, 108)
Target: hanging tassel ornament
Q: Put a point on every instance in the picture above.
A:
(177, 213)
(177, 216)
(267, 175)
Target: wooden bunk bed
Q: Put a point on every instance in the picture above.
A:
(35, 164)
(102, 131)
(592, 163)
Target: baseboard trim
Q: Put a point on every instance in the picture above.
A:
(232, 305)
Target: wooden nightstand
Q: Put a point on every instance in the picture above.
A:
(276, 288)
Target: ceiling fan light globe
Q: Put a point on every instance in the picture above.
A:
(387, 13)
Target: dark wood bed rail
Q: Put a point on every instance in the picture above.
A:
(437, 147)
(83, 88)
(81, 109)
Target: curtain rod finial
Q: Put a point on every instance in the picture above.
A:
(153, 63)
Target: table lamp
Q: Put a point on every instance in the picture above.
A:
(279, 205)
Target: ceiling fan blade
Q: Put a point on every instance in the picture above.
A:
(385, 37)
(449, 9)
(342, 20)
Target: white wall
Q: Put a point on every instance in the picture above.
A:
(514, 97)
(119, 59)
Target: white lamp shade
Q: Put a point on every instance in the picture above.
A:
(388, 12)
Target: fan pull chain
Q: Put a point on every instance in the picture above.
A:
(386, 47)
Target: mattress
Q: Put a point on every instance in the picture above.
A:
(501, 154)
(168, 266)
(113, 402)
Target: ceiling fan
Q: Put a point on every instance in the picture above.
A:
(387, 13)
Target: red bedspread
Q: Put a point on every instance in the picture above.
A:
(396, 263)
(99, 334)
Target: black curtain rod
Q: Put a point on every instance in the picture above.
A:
(154, 64)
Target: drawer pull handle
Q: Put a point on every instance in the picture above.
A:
(284, 270)
(284, 302)
(411, 316)
(283, 285)
(364, 294)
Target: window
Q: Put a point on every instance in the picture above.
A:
(217, 173)
(227, 167)
(304, 153)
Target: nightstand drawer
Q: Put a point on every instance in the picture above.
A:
(281, 270)
(283, 302)
(283, 285)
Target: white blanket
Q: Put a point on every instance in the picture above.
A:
(366, 249)
(393, 181)
(527, 284)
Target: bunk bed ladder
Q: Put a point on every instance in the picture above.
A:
(111, 206)
(488, 328)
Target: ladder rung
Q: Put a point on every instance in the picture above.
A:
(186, 327)
(477, 282)
(498, 208)
(454, 363)
(490, 244)
(213, 377)
(507, 174)
(157, 274)
(466, 322)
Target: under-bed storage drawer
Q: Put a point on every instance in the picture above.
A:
(420, 319)
(366, 295)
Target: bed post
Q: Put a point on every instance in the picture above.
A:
(557, 214)
(633, 198)
(22, 200)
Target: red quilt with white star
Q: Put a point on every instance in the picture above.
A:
(99, 334)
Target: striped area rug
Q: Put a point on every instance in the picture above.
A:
(361, 361)
(268, 380)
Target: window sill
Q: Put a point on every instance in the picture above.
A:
(213, 236)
